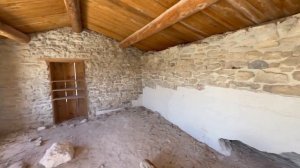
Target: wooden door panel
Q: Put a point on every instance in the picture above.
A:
(68, 90)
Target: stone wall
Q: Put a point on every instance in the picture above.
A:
(113, 75)
(264, 58)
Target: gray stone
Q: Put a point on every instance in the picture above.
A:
(258, 64)
(295, 157)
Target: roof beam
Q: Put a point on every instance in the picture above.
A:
(73, 9)
(12, 33)
(176, 13)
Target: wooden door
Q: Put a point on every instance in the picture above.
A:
(68, 90)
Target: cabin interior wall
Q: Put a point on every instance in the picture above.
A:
(113, 76)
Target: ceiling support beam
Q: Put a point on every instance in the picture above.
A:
(13, 34)
(73, 9)
(176, 13)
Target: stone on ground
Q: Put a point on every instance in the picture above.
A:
(41, 128)
(83, 121)
(57, 154)
(38, 141)
(17, 165)
(146, 164)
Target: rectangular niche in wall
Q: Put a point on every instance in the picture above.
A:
(68, 89)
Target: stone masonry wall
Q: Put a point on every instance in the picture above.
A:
(113, 75)
(264, 58)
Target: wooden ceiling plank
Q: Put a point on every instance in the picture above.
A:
(169, 3)
(248, 10)
(268, 8)
(12, 33)
(114, 35)
(73, 9)
(33, 8)
(210, 26)
(31, 16)
(179, 11)
(289, 7)
(111, 27)
(215, 16)
(123, 18)
(195, 22)
(153, 10)
(226, 14)
(38, 24)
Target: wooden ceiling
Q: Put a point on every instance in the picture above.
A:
(119, 19)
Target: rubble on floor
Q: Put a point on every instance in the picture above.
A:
(18, 165)
(146, 164)
(57, 154)
(122, 139)
(41, 128)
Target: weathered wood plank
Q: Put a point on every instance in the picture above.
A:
(73, 9)
(171, 16)
(12, 33)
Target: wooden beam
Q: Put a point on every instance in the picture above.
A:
(12, 33)
(176, 13)
(73, 9)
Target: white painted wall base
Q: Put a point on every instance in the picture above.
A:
(264, 121)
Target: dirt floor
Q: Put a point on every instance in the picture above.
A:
(123, 139)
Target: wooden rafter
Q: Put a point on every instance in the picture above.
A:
(73, 9)
(176, 13)
(12, 33)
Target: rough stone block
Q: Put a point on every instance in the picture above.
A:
(296, 51)
(286, 69)
(283, 89)
(258, 64)
(267, 44)
(291, 61)
(285, 26)
(57, 154)
(253, 55)
(275, 55)
(235, 64)
(296, 75)
(249, 85)
(244, 75)
(270, 77)
(18, 165)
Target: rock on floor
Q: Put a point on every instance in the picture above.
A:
(17, 165)
(57, 154)
(146, 164)
(41, 128)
